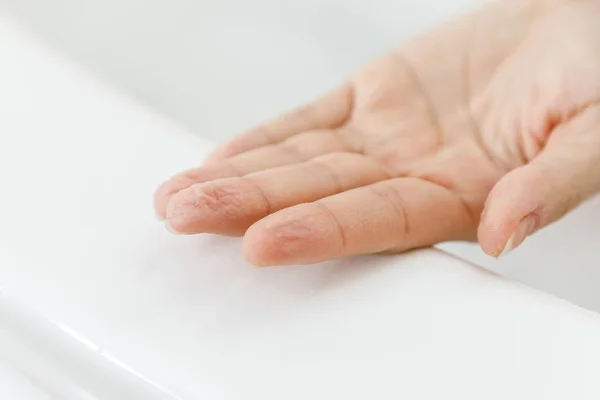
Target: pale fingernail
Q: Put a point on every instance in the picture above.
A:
(524, 229)
(159, 217)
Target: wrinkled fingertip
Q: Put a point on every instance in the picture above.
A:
(169, 227)
(159, 207)
(256, 262)
(161, 199)
(267, 243)
(253, 247)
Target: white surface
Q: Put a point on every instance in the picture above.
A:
(221, 66)
(102, 303)
(15, 385)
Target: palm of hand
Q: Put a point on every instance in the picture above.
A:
(406, 152)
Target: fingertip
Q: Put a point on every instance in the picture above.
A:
(254, 252)
(495, 227)
(503, 230)
(213, 158)
(182, 181)
(225, 206)
(489, 242)
(290, 237)
(512, 200)
(164, 193)
(188, 211)
(161, 201)
(263, 247)
(169, 227)
(233, 147)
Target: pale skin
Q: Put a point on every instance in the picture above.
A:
(484, 128)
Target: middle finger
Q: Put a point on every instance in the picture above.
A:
(229, 206)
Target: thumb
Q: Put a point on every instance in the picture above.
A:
(562, 176)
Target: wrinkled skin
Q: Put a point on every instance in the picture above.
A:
(486, 127)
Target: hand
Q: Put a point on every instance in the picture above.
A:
(487, 126)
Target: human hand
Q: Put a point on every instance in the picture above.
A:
(487, 126)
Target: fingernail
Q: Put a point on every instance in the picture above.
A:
(524, 229)
(159, 217)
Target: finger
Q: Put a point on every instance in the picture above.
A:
(296, 149)
(326, 112)
(399, 214)
(566, 173)
(229, 206)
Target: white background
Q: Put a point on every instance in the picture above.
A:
(244, 60)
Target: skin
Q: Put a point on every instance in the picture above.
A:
(484, 128)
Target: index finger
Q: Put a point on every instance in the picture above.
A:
(397, 214)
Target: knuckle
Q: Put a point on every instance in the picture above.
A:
(262, 196)
(296, 148)
(330, 167)
(395, 204)
(326, 213)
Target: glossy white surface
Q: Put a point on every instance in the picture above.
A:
(113, 307)
(16, 385)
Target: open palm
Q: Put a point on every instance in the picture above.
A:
(499, 109)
